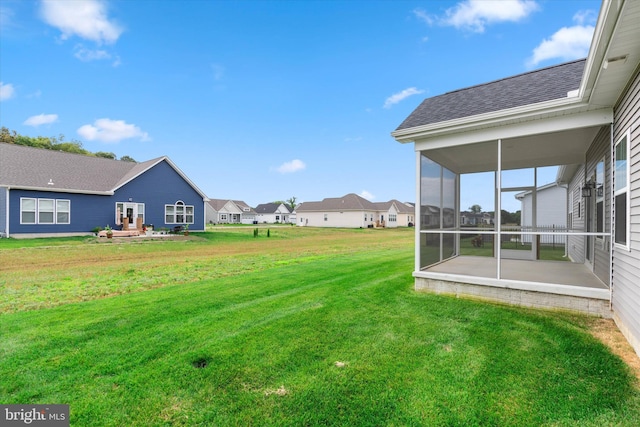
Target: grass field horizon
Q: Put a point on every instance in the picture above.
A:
(306, 327)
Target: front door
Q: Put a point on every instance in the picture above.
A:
(131, 211)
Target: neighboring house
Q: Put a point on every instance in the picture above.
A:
(582, 116)
(45, 192)
(220, 211)
(272, 213)
(471, 218)
(350, 211)
(550, 204)
(405, 212)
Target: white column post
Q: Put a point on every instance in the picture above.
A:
(417, 218)
(499, 209)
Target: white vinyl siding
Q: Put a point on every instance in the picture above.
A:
(626, 261)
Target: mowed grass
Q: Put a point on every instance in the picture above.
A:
(307, 327)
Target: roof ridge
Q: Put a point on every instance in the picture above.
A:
(514, 76)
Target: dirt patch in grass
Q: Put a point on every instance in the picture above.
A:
(606, 331)
(281, 391)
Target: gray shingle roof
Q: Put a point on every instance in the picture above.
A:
(218, 204)
(524, 89)
(269, 208)
(350, 202)
(38, 168)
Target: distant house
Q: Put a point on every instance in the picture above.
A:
(582, 116)
(351, 211)
(45, 192)
(471, 218)
(551, 210)
(221, 211)
(405, 213)
(272, 213)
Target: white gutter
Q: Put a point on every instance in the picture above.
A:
(6, 229)
(62, 190)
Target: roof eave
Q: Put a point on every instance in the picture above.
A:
(528, 112)
(58, 190)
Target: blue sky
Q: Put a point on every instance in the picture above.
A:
(265, 100)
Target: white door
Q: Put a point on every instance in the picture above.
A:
(129, 210)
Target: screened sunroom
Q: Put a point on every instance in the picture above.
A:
(527, 255)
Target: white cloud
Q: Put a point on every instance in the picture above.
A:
(86, 55)
(475, 15)
(41, 119)
(424, 16)
(568, 42)
(6, 17)
(292, 166)
(366, 195)
(397, 97)
(6, 91)
(111, 131)
(86, 19)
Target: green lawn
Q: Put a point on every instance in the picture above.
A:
(307, 327)
(547, 252)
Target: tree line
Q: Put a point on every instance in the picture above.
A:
(55, 143)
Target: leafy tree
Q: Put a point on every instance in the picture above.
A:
(127, 159)
(291, 203)
(53, 143)
(106, 155)
(71, 147)
(475, 209)
(510, 218)
(8, 136)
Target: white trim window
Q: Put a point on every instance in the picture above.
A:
(63, 211)
(621, 192)
(178, 213)
(44, 211)
(28, 210)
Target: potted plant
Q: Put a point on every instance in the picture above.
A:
(186, 229)
(109, 231)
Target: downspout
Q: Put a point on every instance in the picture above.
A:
(611, 213)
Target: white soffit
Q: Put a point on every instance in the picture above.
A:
(621, 56)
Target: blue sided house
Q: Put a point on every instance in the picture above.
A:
(46, 193)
